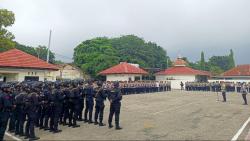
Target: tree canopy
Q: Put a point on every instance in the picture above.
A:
(40, 52)
(100, 53)
(7, 18)
(215, 64)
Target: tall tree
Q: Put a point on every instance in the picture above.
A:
(202, 61)
(100, 53)
(94, 55)
(7, 18)
(231, 57)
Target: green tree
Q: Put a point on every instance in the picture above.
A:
(98, 54)
(231, 57)
(7, 18)
(40, 52)
(216, 70)
(95, 55)
(202, 62)
(223, 62)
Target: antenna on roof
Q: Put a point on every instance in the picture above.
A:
(49, 46)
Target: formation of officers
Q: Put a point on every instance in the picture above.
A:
(142, 87)
(46, 104)
(222, 87)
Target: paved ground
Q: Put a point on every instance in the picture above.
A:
(176, 115)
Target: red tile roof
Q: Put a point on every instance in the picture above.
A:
(123, 68)
(182, 70)
(240, 70)
(19, 59)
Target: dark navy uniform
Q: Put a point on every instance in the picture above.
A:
(5, 109)
(115, 98)
(20, 113)
(100, 97)
(89, 93)
(81, 103)
(56, 107)
(31, 104)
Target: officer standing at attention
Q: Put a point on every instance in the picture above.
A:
(56, 106)
(31, 104)
(244, 91)
(115, 98)
(20, 112)
(100, 97)
(5, 108)
(89, 93)
(73, 107)
(81, 101)
(223, 90)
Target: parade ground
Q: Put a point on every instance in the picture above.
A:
(175, 115)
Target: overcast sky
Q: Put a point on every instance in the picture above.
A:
(184, 27)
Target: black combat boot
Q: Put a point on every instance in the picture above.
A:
(75, 126)
(34, 138)
(57, 131)
(46, 128)
(26, 136)
(85, 120)
(110, 125)
(96, 123)
(101, 124)
(118, 128)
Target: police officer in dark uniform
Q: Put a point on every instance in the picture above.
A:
(66, 104)
(20, 112)
(115, 98)
(74, 104)
(46, 106)
(5, 108)
(89, 94)
(31, 104)
(81, 101)
(100, 97)
(56, 106)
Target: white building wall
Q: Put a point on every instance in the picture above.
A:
(230, 80)
(19, 74)
(176, 79)
(122, 77)
(68, 72)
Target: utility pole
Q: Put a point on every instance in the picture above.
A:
(49, 46)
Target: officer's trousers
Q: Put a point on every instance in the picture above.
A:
(88, 110)
(114, 109)
(20, 120)
(224, 96)
(99, 108)
(81, 106)
(244, 96)
(4, 116)
(30, 125)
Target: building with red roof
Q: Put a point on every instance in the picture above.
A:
(181, 73)
(240, 73)
(124, 72)
(16, 65)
